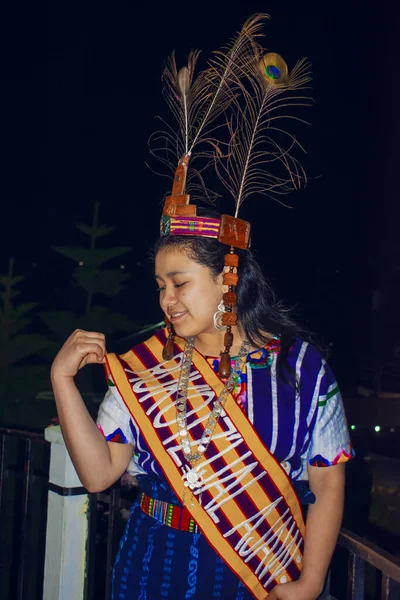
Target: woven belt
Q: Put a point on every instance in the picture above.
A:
(168, 514)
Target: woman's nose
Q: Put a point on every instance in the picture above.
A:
(168, 298)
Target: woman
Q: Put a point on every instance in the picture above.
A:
(227, 445)
(302, 423)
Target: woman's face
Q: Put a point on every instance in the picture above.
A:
(189, 294)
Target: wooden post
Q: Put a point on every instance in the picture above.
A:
(67, 526)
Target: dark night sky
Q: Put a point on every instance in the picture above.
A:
(81, 87)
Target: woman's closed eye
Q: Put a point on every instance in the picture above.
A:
(176, 285)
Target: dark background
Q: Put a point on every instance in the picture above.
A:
(80, 90)
(80, 87)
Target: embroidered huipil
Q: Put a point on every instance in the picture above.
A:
(300, 426)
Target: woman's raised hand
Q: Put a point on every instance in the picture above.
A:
(80, 349)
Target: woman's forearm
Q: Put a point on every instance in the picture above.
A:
(324, 519)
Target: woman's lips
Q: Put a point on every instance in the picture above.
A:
(177, 316)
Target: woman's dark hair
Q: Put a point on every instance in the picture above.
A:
(259, 312)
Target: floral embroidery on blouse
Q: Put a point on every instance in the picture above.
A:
(257, 359)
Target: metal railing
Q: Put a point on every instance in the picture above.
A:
(24, 457)
(24, 465)
(363, 553)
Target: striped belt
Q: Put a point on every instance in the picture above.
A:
(170, 515)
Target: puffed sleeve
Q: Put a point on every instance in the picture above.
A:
(115, 423)
(330, 440)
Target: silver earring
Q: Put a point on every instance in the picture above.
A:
(218, 317)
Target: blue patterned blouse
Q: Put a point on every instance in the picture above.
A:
(301, 425)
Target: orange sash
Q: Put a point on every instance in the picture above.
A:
(246, 507)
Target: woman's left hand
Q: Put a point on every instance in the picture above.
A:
(295, 590)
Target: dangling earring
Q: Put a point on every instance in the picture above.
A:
(168, 350)
(218, 317)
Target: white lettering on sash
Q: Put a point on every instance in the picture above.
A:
(275, 557)
(284, 555)
(288, 560)
(158, 370)
(219, 500)
(234, 438)
(260, 516)
(265, 543)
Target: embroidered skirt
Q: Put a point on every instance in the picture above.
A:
(155, 561)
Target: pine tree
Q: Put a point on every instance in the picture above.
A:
(94, 279)
(18, 378)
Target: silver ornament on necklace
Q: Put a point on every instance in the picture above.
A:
(212, 421)
(192, 477)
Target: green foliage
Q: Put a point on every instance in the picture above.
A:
(16, 346)
(21, 346)
(23, 351)
(95, 279)
(22, 383)
(19, 321)
(95, 232)
(91, 257)
(8, 281)
(18, 381)
(90, 275)
(62, 323)
(100, 281)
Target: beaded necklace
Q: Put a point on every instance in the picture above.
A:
(192, 478)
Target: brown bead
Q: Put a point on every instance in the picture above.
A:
(168, 350)
(228, 339)
(229, 298)
(230, 279)
(231, 260)
(229, 318)
(224, 369)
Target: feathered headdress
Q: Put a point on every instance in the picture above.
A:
(197, 103)
(252, 92)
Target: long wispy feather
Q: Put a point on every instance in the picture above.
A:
(259, 157)
(178, 91)
(197, 102)
(221, 82)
